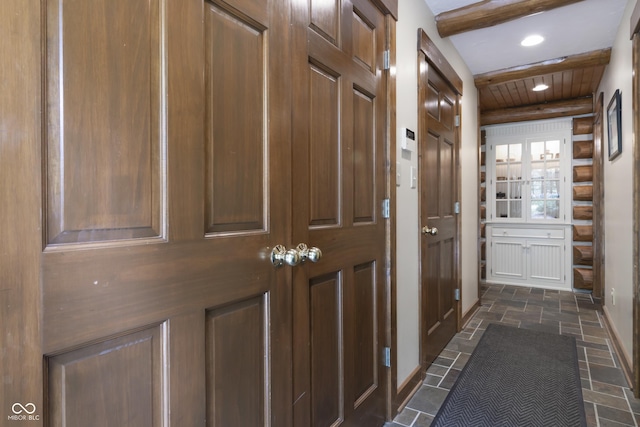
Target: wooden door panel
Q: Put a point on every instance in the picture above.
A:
(117, 382)
(326, 347)
(431, 264)
(145, 288)
(447, 284)
(238, 360)
(439, 190)
(447, 169)
(236, 143)
(325, 17)
(431, 189)
(195, 146)
(439, 306)
(324, 147)
(432, 106)
(339, 123)
(364, 158)
(104, 141)
(364, 41)
(362, 334)
(447, 110)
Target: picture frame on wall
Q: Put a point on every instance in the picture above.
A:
(614, 120)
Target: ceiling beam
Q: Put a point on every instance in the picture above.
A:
(488, 13)
(549, 110)
(557, 65)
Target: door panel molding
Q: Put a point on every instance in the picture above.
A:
(326, 325)
(236, 141)
(120, 364)
(238, 363)
(105, 162)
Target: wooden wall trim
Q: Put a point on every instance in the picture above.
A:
(636, 210)
(623, 355)
(391, 253)
(635, 20)
(470, 313)
(408, 388)
(574, 107)
(21, 106)
(437, 59)
(557, 65)
(598, 200)
(489, 13)
(389, 7)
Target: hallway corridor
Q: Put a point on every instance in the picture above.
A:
(607, 398)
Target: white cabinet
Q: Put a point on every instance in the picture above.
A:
(527, 179)
(528, 190)
(531, 256)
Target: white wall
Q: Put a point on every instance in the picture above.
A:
(618, 189)
(414, 14)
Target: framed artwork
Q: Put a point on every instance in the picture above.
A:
(614, 119)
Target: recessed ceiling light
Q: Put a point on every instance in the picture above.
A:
(532, 40)
(540, 87)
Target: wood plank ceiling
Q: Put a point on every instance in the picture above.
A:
(507, 95)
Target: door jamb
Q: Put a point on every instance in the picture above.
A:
(635, 36)
(598, 199)
(20, 193)
(391, 336)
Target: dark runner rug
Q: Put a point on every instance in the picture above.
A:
(517, 377)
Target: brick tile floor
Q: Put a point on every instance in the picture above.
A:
(607, 398)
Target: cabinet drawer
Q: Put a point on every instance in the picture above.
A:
(537, 233)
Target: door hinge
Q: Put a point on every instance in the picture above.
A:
(457, 120)
(456, 294)
(385, 208)
(386, 60)
(386, 357)
(456, 207)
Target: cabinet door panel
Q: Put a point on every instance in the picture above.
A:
(508, 259)
(546, 260)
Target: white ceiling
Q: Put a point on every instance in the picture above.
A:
(577, 28)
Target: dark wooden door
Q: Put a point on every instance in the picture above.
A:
(155, 138)
(438, 151)
(339, 180)
(166, 149)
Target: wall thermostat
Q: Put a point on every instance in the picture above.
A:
(408, 139)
